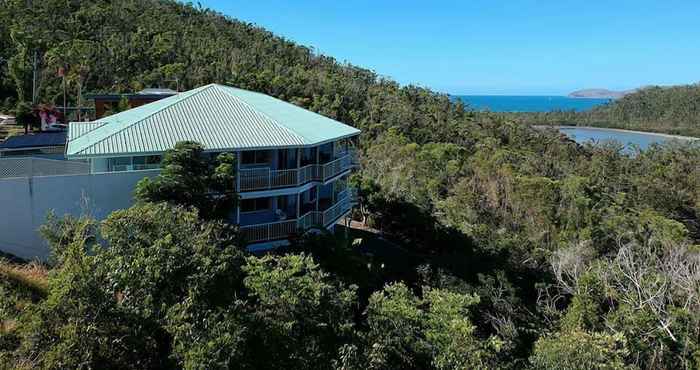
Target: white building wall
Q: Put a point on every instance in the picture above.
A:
(25, 202)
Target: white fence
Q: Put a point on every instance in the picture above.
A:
(25, 202)
(32, 166)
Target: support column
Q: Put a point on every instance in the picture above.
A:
(238, 186)
(319, 168)
(238, 171)
(318, 195)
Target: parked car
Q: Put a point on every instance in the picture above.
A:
(56, 127)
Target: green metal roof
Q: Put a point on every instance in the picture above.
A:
(219, 117)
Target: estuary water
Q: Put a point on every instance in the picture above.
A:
(627, 138)
(523, 103)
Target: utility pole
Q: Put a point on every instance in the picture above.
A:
(80, 95)
(34, 73)
(65, 107)
(62, 74)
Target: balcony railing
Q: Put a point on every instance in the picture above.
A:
(265, 178)
(282, 229)
(135, 167)
(270, 231)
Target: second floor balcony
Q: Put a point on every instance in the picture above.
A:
(256, 178)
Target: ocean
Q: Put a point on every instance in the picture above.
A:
(505, 103)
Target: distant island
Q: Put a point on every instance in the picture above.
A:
(599, 93)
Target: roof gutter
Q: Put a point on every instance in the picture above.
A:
(216, 150)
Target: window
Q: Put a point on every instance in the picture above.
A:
(255, 205)
(325, 153)
(153, 159)
(308, 156)
(149, 160)
(287, 158)
(255, 156)
(119, 164)
(248, 157)
(262, 156)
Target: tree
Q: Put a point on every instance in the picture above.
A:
(646, 292)
(469, 192)
(26, 117)
(408, 332)
(300, 316)
(161, 287)
(208, 338)
(580, 350)
(159, 255)
(190, 179)
(80, 324)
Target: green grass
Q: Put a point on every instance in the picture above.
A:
(21, 285)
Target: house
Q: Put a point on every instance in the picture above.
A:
(41, 144)
(106, 102)
(293, 164)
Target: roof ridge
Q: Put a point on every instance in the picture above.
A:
(245, 93)
(192, 93)
(224, 88)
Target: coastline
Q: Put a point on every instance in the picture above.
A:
(668, 136)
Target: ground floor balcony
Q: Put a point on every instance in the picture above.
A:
(287, 217)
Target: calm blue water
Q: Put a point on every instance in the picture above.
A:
(502, 103)
(643, 140)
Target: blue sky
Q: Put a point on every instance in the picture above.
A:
(519, 47)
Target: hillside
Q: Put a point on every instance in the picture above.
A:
(487, 244)
(671, 110)
(674, 110)
(124, 46)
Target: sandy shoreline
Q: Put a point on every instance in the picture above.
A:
(669, 136)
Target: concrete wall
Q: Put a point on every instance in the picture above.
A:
(25, 202)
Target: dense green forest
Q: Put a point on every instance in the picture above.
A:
(671, 110)
(501, 246)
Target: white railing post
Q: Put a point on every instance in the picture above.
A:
(238, 170)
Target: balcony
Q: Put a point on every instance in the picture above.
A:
(255, 179)
(283, 229)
